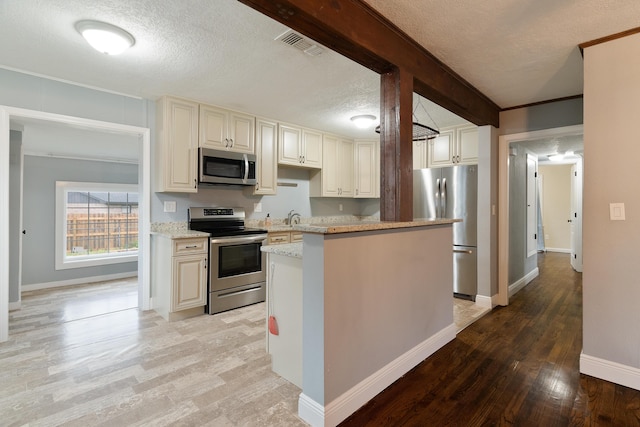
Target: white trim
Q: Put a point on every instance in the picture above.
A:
(523, 281)
(484, 301)
(350, 401)
(144, 202)
(559, 250)
(85, 158)
(627, 376)
(503, 197)
(79, 281)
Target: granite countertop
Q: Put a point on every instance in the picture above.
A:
(175, 230)
(350, 227)
(288, 249)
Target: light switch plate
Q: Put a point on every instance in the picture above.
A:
(257, 207)
(616, 211)
(170, 206)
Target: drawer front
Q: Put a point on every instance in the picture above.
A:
(190, 246)
(278, 238)
(296, 236)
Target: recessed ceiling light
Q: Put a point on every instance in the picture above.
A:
(363, 120)
(105, 38)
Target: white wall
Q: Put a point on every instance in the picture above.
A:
(556, 206)
(611, 277)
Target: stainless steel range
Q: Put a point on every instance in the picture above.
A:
(237, 267)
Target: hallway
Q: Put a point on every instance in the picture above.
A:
(518, 365)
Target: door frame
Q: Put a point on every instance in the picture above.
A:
(144, 191)
(503, 196)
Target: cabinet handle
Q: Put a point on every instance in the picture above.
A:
(205, 263)
(195, 183)
(231, 142)
(453, 159)
(303, 160)
(191, 247)
(458, 159)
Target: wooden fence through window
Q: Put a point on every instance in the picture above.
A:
(101, 233)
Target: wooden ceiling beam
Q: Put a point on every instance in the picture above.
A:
(355, 30)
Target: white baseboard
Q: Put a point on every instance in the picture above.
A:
(560, 250)
(71, 282)
(627, 376)
(521, 283)
(352, 400)
(17, 305)
(484, 301)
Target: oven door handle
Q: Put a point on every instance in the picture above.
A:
(232, 240)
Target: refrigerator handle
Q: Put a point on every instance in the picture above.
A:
(443, 198)
(438, 198)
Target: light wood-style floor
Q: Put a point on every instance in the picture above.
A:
(84, 355)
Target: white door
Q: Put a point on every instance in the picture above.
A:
(532, 207)
(576, 216)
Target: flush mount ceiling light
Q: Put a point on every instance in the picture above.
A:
(556, 157)
(363, 120)
(105, 38)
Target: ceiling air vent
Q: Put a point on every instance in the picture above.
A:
(301, 43)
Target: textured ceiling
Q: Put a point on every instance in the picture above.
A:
(223, 53)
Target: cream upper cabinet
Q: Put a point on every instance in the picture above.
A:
(299, 147)
(176, 163)
(467, 145)
(267, 157)
(336, 177)
(226, 130)
(455, 146)
(420, 154)
(367, 169)
(442, 149)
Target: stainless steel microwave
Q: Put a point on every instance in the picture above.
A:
(226, 167)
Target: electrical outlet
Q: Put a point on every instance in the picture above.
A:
(340, 207)
(170, 206)
(257, 207)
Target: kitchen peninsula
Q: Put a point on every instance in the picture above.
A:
(376, 301)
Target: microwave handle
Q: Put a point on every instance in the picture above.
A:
(245, 175)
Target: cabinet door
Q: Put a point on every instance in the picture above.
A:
(177, 164)
(442, 149)
(189, 282)
(345, 168)
(367, 179)
(467, 147)
(311, 149)
(267, 160)
(420, 154)
(330, 167)
(242, 133)
(213, 128)
(289, 141)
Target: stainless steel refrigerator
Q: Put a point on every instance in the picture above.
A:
(452, 192)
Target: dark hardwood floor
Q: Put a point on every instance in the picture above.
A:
(518, 365)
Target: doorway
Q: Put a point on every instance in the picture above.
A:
(8, 114)
(533, 140)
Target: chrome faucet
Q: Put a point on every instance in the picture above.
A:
(293, 217)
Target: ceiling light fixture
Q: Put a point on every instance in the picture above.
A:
(105, 38)
(363, 120)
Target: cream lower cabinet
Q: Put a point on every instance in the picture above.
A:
(282, 237)
(176, 162)
(367, 169)
(179, 276)
(267, 157)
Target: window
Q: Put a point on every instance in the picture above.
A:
(96, 224)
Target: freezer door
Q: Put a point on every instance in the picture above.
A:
(461, 201)
(465, 271)
(426, 193)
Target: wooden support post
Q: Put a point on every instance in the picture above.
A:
(396, 150)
